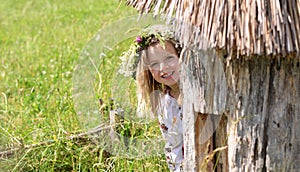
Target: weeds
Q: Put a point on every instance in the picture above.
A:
(39, 44)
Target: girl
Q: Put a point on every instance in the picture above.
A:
(157, 75)
(158, 72)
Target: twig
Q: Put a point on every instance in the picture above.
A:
(9, 152)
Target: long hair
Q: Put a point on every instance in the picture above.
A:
(149, 91)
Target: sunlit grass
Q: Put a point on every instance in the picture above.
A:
(40, 42)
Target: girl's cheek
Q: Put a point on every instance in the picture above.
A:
(174, 64)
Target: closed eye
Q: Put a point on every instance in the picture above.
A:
(154, 65)
(169, 58)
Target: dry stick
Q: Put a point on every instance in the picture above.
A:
(292, 26)
(241, 26)
(237, 30)
(142, 6)
(297, 29)
(224, 24)
(247, 26)
(284, 28)
(10, 151)
(172, 7)
(137, 5)
(249, 43)
(272, 25)
(268, 31)
(269, 27)
(279, 25)
(149, 5)
(218, 31)
(166, 6)
(229, 24)
(259, 28)
(179, 11)
(156, 8)
(200, 14)
(297, 25)
(253, 26)
(194, 15)
(212, 22)
(130, 2)
(264, 28)
(289, 43)
(205, 21)
(277, 18)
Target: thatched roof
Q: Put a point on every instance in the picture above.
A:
(262, 27)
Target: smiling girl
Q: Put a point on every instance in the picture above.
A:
(154, 58)
(158, 72)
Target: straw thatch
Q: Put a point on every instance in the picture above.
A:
(261, 27)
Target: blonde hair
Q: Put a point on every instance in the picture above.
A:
(146, 84)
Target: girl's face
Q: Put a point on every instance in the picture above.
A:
(163, 63)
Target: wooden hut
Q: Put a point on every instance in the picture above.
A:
(257, 97)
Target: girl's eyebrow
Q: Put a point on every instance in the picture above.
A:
(153, 61)
(169, 56)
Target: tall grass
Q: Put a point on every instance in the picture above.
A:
(39, 44)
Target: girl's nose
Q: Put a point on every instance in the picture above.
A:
(162, 66)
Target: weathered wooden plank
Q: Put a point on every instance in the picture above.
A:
(262, 104)
(204, 89)
(265, 115)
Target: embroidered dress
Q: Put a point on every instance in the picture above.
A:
(170, 120)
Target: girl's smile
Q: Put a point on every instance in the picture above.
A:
(167, 76)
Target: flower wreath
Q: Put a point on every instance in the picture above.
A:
(131, 58)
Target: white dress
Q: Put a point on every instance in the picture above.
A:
(170, 120)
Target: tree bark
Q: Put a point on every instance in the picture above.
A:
(265, 114)
(258, 130)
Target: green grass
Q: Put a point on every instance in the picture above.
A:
(40, 42)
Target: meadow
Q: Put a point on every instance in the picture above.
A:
(40, 42)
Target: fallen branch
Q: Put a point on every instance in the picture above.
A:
(9, 152)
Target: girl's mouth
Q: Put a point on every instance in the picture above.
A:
(167, 76)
